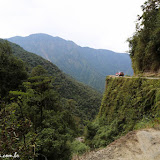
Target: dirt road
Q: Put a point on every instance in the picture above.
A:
(136, 145)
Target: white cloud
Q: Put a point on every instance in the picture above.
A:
(94, 23)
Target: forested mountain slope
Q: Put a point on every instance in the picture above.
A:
(87, 65)
(36, 122)
(85, 99)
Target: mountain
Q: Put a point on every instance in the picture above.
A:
(85, 64)
(86, 99)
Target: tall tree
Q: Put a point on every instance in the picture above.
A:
(145, 44)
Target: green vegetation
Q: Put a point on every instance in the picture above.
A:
(144, 45)
(12, 70)
(128, 104)
(42, 110)
(35, 120)
(79, 148)
(132, 103)
(85, 99)
(86, 65)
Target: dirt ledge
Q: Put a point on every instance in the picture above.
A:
(136, 145)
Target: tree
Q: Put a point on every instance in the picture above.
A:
(145, 44)
(52, 122)
(16, 135)
(38, 71)
(12, 70)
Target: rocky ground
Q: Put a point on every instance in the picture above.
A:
(136, 145)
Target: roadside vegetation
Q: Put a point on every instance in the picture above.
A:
(144, 45)
(128, 104)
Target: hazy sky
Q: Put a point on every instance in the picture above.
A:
(104, 24)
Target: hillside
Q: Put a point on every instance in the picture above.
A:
(128, 104)
(136, 145)
(86, 65)
(85, 99)
(36, 122)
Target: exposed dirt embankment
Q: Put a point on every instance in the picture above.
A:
(136, 145)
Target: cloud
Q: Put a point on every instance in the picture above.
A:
(94, 23)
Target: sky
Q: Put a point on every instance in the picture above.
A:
(100, 24)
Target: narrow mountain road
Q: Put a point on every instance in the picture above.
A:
(113, 76)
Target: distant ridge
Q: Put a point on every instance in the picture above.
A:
(85, 64)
